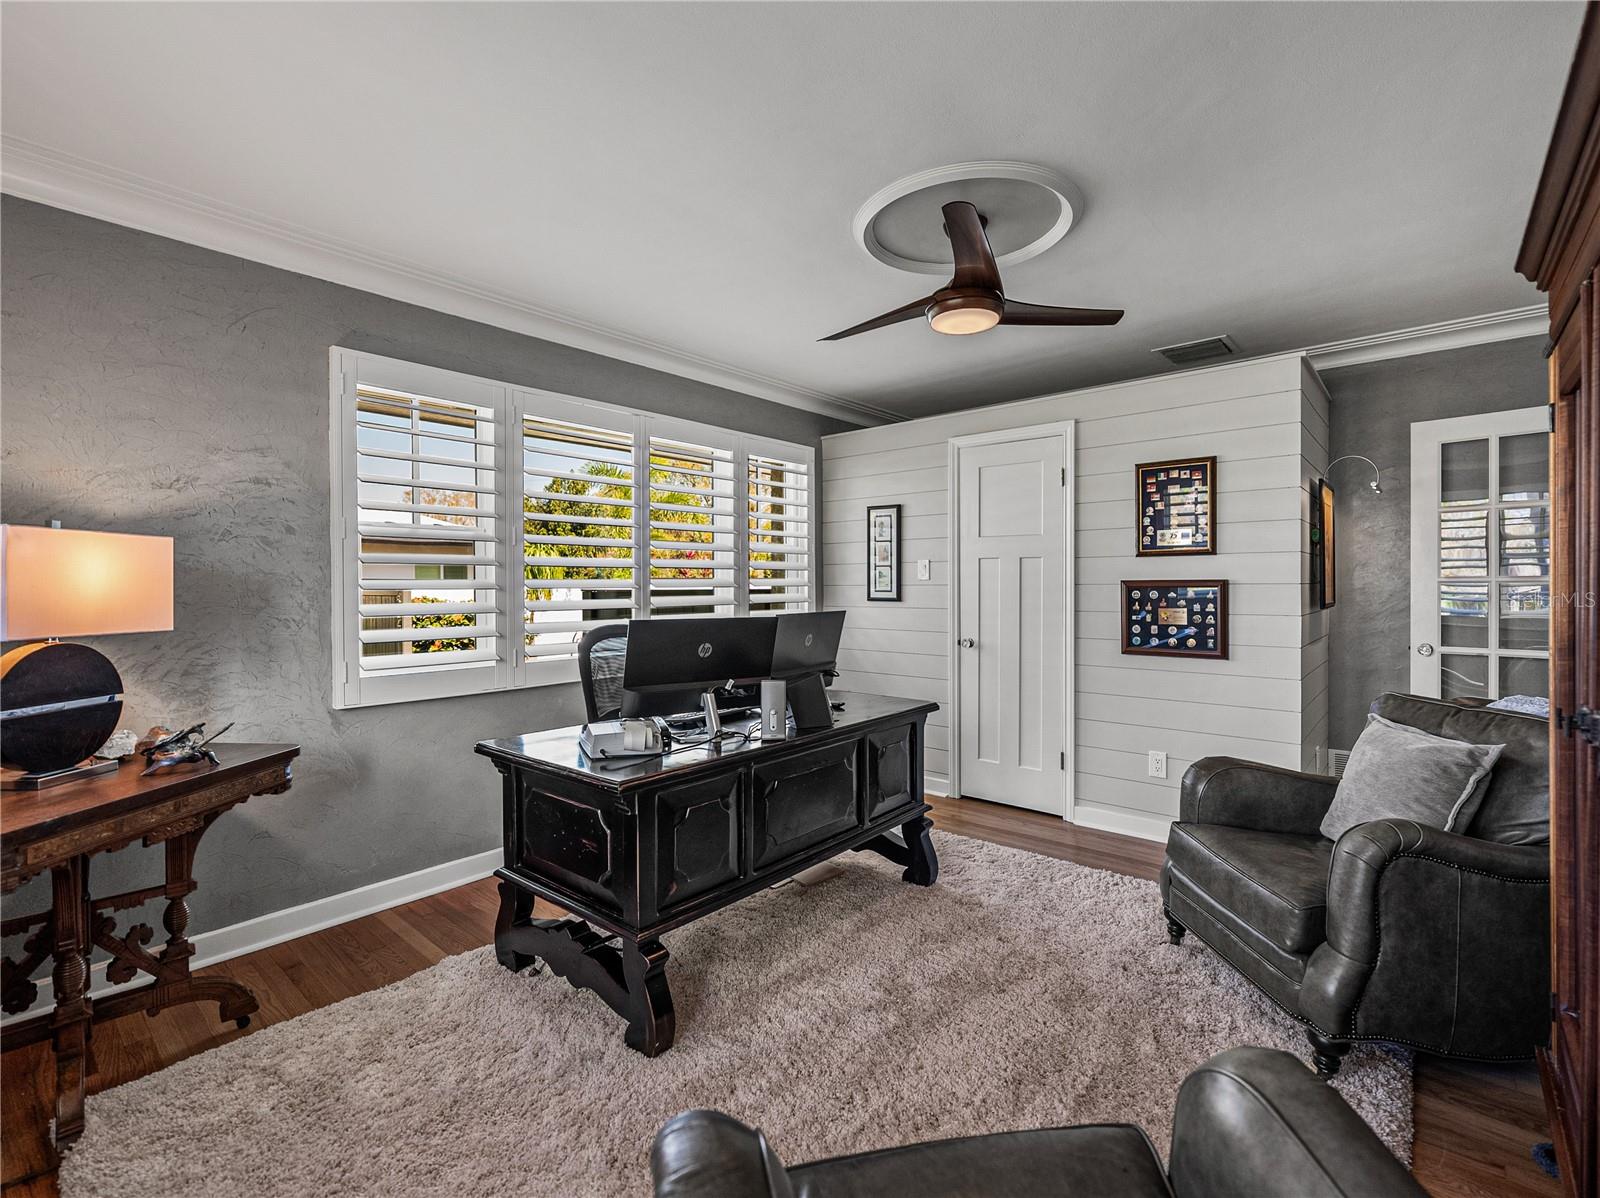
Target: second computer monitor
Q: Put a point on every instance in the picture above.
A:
(806, 643)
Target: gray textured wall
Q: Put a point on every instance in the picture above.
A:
(153, 386)
(1373, 408)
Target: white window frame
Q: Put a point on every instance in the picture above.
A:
(512, 667)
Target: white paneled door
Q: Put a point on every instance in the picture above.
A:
(1012, 673)
(1480, 555)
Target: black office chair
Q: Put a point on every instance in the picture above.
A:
(601, 655)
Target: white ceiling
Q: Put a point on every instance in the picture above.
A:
(685, 174)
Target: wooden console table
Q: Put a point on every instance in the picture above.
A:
(636, 849)
(58, 830)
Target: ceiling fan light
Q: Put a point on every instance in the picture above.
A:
(964, 316)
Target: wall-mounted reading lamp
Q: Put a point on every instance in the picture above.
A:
(1376, 489)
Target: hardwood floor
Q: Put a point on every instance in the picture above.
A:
(1475, 1124)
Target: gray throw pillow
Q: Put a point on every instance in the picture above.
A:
(1399, 772)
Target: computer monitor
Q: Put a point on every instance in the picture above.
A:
(804, 647)
(669, 661)
(806, 642)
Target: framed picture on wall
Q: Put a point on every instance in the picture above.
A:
(1171, 618)
(883, 553)
(1322, 542)
(1176, 512)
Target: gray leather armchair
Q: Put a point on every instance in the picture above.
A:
(1250, 1122)
(1399, 932)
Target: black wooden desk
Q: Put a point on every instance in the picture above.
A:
(638, 850)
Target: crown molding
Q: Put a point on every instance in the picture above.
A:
(1430, 338)
(34, 172)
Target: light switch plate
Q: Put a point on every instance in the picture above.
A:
(924, 569)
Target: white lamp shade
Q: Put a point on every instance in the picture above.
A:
(63, 582)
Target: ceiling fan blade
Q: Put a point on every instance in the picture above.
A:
(975, 266)
(909, 312)
(1017, 312)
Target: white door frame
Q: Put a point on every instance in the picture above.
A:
(1425, 618)
(1067, 431)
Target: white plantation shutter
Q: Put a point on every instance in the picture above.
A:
(419, 604)
(479, 530)
(579, 518)
(778, 549)
(691, 529)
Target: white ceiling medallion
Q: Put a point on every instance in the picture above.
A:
(1026, 209)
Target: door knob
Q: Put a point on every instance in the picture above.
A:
(1424, 650)
(967, 642)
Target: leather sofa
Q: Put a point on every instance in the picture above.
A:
(1249, 1123)
(1399, 932)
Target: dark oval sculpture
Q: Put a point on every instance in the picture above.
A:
(56, 672)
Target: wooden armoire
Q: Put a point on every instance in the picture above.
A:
(1561, 253)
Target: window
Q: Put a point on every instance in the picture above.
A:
(624, 515)
(778, 497)
(578, 519)
(691, 529)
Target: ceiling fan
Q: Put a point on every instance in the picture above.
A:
(972, 302)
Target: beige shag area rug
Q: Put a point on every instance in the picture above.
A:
(858, 1012)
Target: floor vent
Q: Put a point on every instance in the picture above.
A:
(1336, 761)
(1191, 352)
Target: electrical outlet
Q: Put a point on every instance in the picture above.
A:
(924, 569)
(1158, 764)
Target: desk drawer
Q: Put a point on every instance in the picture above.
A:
(698, 832)
(568, 843)
(803, 800)
(889, 780)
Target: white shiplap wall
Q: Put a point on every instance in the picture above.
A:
(1266, 421)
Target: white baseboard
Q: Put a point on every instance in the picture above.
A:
(222, 944)
(1128, 823)
(936, 785)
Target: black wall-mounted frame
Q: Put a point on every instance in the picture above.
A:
(883, 553)
(1322, 544)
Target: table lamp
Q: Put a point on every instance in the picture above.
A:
(62, 701)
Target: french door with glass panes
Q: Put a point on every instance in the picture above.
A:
(1480, 555)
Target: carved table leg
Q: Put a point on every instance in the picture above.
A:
(70, 1025)
(651, 1022)
(516, 907)
(235, 1002)
(174, 983)
(923, 869)
(630, 979)
(916, 854)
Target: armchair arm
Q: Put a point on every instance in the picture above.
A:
(706, 1154)
(1435, 939)
(1257, 1121)
(1247, 794)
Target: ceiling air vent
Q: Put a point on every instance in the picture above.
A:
(1191, 353)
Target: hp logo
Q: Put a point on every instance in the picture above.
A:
(705, 649)
(809, 639)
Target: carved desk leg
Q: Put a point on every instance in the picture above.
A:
(70, 1025)
(923, 867)
(516, 908)
(630, 979)
(652, 1025)
(916, 854)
